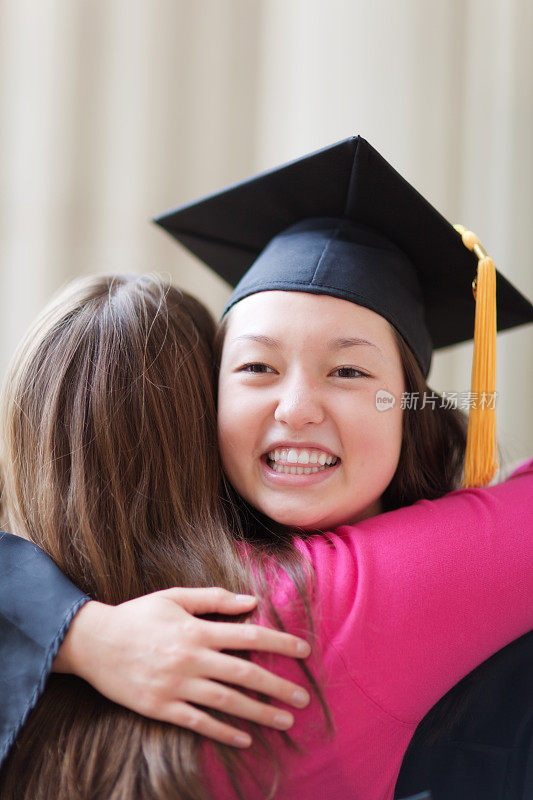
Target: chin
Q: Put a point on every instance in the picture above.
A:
(320, 521)
(293, 519)
(289, 517)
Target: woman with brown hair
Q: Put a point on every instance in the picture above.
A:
(388, 587)
(111, 466)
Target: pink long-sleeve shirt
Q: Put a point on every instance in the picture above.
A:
(407, 603)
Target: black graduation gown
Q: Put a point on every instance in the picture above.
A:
(487, 752)
(37, 604)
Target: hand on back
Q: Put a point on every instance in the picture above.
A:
(154, 656)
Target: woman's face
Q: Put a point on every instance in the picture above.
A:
(301, 433)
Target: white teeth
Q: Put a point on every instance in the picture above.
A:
(293, 456)
(286, 470)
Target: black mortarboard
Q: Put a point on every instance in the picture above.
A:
(343, 222)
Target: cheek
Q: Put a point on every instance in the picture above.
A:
(376, 436)
(391, 422)
(237, 434)
(228, 430)
(392, 445)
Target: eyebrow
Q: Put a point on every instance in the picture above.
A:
(340, 343)
(352, 341)
(268, 341)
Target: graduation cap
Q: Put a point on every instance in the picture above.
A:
(342, 222)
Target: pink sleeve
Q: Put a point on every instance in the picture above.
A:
(414, 599)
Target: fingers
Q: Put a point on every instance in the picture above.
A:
(245, 636)
(231, 669)
(224, 698)
(187, 716)
(227, 635)
(210, 600)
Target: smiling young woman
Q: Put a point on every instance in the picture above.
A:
(292, 381)
(428, 443)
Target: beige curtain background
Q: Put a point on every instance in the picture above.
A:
(114, 110)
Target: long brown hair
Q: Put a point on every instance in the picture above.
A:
(110, 462)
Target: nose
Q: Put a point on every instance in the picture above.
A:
(299, 403)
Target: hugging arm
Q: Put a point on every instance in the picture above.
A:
(37, 604)
(151, 654)
(442, 587)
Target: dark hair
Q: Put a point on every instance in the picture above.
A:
(433, 442)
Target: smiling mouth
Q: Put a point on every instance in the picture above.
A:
(292, 461)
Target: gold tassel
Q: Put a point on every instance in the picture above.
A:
(481, 460)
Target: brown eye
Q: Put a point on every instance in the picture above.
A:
(256, 369)
(348, 372)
